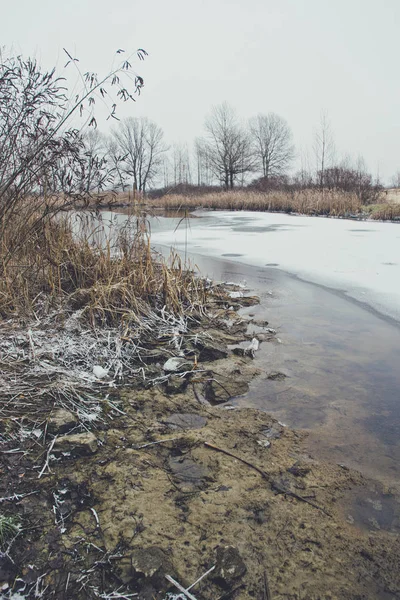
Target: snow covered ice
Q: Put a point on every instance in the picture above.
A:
(360, 258)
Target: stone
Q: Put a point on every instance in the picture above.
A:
(80, 444)
(144, 565)
(299, 469)
(189, 476)
(239, 351)
(248, 300)
(229, 566)
(223, 388)
(61, 421)
(176, 384)
(271, 433)
(276, 376)
(8, 570)
(210, 350)
(175, 364)
(186, 421)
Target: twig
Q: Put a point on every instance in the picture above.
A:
(287, 492)
(46, 464)
(96, 517)
(199, 397)
(17, 497)
(267, 593)
(180, 588)
(245, 462)
(267, 477)
(202, 577)
(154, 443)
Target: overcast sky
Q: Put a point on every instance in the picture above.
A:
(294, 57)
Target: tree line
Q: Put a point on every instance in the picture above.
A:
(259, 153)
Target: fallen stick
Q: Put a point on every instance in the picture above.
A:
(200, 398)
(17, 497)
(287, 492)
(180, 588)
(245, 462)
(267, 593)
(96, 517)
(202, 577)
(265, 475)
(46, 464)
(154, 443)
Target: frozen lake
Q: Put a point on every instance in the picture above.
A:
(360, 259)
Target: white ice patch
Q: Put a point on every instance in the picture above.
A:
(172, 365)
(99, 372)
(253, 346)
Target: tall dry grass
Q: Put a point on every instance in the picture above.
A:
(107, 278)
(386, 212)
(308, 202)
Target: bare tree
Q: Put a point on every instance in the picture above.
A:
(141, 146)
(202, 160)
(228, 146)
(181, 164)
(115, 159)
(272, 142)
(324, 149)
(396, 180)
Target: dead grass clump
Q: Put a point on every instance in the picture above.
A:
(386, 212)
(308, 202)
(105, 274)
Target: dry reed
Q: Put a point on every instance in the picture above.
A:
(308, 202)
(386, 212)
(106, 278)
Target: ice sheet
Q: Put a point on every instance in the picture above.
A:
(360, 258)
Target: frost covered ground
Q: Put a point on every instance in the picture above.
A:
(361, 259)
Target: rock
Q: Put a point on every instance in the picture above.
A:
(210, 350)
(176, 385)
(264, 443)
(189, 476)
(143, 567)
(276, 376)
(223, 388)
(239, 351)
(186, 421)
(229, 566)
(299, 469)
(61, 421)
(80, 444)
(249, 300)
(271, 433)
(8, 570)
(175, 364)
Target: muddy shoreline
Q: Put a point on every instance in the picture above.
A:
(177, 482)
